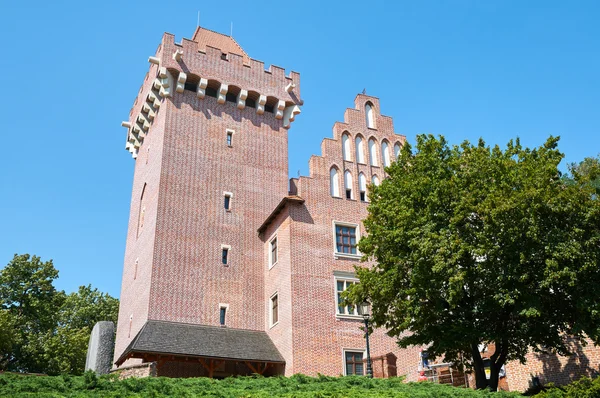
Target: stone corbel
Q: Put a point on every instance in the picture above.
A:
(279, 109)
(290, 87)
(181, 82)
(178, 55)
(126, 124)
(166, 82)
(260, 104)
(289, 114)
(241, 99)
(202, 88)
(154, 60)
(221, 95)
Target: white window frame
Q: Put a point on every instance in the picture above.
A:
(227, 132)
(228, 247)
(230, 196)
(271, 263)
(337, 254)
(271, 324)
(344, 277)
(364, 352)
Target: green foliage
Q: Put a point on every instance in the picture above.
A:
(43, 330)
(475, 245)
(298, 386)
(587, 172)
(582, 388)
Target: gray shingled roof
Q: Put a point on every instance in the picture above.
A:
(184, 339)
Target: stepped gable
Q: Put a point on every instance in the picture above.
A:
(209, 38)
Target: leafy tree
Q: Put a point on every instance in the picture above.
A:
(476, 245)
(586, 171)
(43, 330)
(29, 303)
(66, 345)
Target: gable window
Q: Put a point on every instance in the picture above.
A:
(346, 147)
(345, 239)
(369, 115)
(373, 152)
(353, 362)
(274, 309)
(227, 200)
(362, 187)
(273, 252)
(385, 153)
(360, 150)
(348, 184)
(225, 254)
(334, 183)
(341, 284)
(229, 138)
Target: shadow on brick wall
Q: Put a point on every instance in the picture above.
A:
(565, 369)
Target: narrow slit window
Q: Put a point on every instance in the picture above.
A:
(222, 315)
(229, 137)
(274, 310)
(273, 253)
(227, 201)
(225, 256)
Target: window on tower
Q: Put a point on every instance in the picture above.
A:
(227, 200)
(229, 137)
(222, 314)
(225, 254)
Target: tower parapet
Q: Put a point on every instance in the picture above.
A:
(223, 75)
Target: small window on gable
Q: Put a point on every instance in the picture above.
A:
(334, 183)
(273, 252)
(348, 185)
(369, 115)
(225, 254)
(373, 152)
(227, 200)
(229, 138)
(274, 315)
(346, 147)
(385, 153)
(362, 187)
(360, 150)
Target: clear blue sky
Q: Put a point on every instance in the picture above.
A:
(464, 69)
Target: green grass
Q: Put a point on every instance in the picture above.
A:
(296, 386)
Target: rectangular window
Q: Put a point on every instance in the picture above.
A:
(348, 194)
(340, 286)
(273, 252)
(225, 255)
(230, 137)
(354, 363)
(363, 196)
(227, 200)
(345, 239)
(274, 309)
(222, 314)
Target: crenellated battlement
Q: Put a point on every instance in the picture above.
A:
(210, 71)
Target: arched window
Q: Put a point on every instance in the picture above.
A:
(348, 185)
(346, 147)
(362, 187)
(385, 153)
(369, 115)
(397, 150)
(373, 152)
(334, 183)
(360, 150)
(141, 212)
(375, 181)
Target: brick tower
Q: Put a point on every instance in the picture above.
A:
(208, 132)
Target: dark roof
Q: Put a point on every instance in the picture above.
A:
(280, 206)
(184, 339)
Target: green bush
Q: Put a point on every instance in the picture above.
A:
(582, 388)
(297, 386)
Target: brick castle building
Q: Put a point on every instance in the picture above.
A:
(230, 267)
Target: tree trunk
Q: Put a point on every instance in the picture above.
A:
(480, 380)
